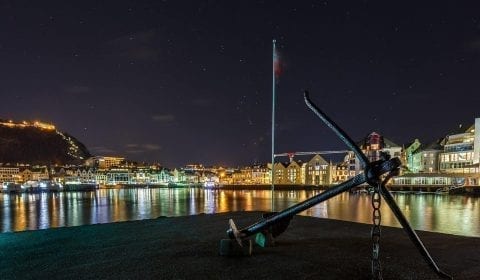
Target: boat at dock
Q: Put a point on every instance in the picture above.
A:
(10, 187)
(80, 186)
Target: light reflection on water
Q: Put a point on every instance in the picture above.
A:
(449, 214)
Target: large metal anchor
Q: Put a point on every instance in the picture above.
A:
(376, 174)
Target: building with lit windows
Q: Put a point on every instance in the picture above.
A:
(280, 176)
(425, 159)
(294, 173)
(104, 162)
(261, 174)
(341, 173)
(9, 174)
(461, 151)
(451, 161)
(408, 152)
(372, 146)
(319, 171)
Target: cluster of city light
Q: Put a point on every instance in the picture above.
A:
(72, 148)
(23, 124)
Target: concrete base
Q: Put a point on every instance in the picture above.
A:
(187, 248)
(231, 248)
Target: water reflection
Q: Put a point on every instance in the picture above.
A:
(449, 214)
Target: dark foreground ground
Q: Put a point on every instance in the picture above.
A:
(187, 248)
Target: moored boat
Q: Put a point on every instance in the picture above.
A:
(9, 187)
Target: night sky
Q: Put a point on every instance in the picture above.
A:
(178, 82)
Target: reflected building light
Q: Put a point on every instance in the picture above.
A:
(44, 219)
(6, 221)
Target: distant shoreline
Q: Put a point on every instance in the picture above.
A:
(471, 190)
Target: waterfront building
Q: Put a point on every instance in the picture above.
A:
(373, 145)
(9, 174)
(118, 176)
(101, 178)
(341, 172)
(86, 175)
(451, 161)
(461, 151)
(161, 177)
(261, 174)
(280, 176)
(408, 152)
(246, 175)
(319, 171)
(427, 179)
(105, 162)
(194, 167)
(237, 177)
(425, 159)
(242, 176)
(33, 174)
(209, 178)
(191, 177)
(178, 175)
(294, 173)
(226, 175)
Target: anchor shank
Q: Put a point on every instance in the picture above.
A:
(411, 232)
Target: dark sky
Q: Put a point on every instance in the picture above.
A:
(177, 82)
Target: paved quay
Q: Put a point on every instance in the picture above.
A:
(187, 248)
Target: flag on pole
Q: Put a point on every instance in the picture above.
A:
(277, 64)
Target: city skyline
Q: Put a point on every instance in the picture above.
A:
(175, 83)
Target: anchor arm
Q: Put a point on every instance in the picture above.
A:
(338, 131)
(387, 196)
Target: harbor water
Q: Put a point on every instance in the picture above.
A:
(453, 214)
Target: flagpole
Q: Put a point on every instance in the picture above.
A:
(274, 58)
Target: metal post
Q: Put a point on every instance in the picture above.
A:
(274, 58)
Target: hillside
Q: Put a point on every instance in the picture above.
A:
(34, 144)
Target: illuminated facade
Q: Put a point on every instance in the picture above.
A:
(280, 176)
(105, 162)
(9, 174)
(372, 146)
(294, 174)
(410, 149)
(425, 159)
(261, 174)
(341, 173)
(34, 174)
(461, 151)
(319, 171)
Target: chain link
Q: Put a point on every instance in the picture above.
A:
(376, 233)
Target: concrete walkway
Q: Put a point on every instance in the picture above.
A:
(187, 248)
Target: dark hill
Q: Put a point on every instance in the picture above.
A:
(39, 146)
